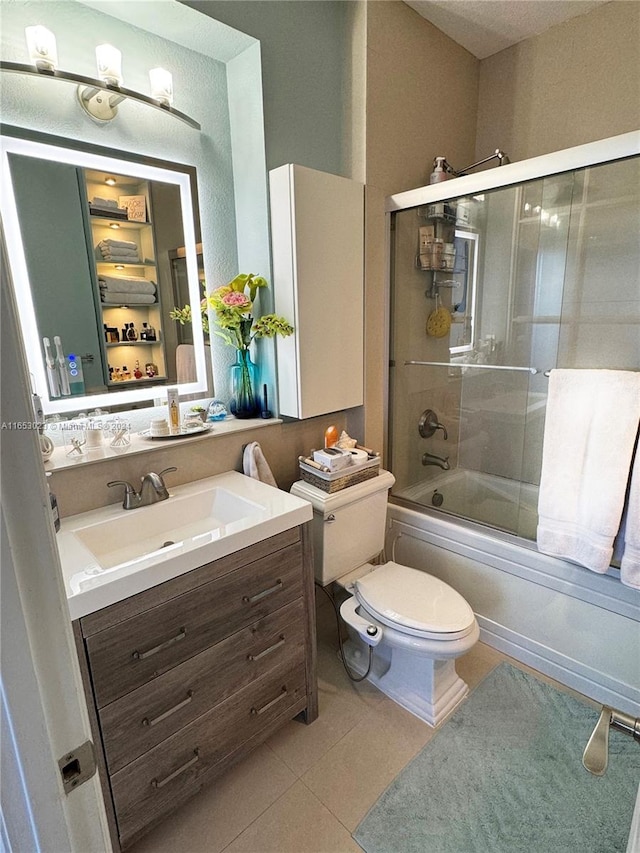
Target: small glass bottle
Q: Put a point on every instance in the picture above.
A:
(151, 333)
(126, 373)
(144, 331)
(132, 333)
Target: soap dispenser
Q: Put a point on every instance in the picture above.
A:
(440, 172)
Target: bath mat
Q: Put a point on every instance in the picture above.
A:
(505, 775)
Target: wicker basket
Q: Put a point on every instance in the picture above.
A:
(335, 481)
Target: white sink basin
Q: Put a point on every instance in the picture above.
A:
(203, 516)
(111, 553)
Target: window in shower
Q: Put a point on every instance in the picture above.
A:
(545, 274)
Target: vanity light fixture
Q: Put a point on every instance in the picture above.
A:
(109, 62)
(97, 97)
(41, 44)
(161, 86)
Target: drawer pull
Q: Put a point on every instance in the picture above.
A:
(265, 592)
(147, 722)
(162, 782)
(142, 655)
(268, 651)
(257, 711)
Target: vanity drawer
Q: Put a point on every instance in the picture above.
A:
(145, 717)
(151, 786)
(144, 647)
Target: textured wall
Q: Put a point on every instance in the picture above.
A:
(575, 83)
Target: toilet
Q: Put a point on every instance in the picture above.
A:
(409, 624)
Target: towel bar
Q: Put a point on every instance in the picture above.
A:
(596, 754)
(532, 370)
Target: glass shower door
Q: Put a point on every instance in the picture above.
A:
(483, 377)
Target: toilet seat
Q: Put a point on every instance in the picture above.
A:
(415, 603)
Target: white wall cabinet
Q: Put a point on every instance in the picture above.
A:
(317, 223)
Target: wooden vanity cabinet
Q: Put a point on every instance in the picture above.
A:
(187, 677)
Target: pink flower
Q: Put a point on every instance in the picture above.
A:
(235, 300)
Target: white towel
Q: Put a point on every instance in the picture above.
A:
(110, 244)
(255, 465)
(115, 298)
(107, 203)
(120, 255)
(126, 285)
(185, 363)
(630, 563)
(590, 429)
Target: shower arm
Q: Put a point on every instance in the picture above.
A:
(503, 160)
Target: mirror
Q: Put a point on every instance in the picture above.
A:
(92, 238)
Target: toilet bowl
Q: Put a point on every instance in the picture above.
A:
(416, 626)
(406, 626)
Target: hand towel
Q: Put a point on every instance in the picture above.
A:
(185, 363)
(255, 465)
(590, 429)
(630, 562)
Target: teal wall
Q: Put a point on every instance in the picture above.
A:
(51, 107)
(233, 204)
(305, 50)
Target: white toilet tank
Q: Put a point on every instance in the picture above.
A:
(348, 526)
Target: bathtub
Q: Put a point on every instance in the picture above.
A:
(576, 626)
(496, 501)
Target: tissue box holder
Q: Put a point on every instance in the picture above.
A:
(335, 481)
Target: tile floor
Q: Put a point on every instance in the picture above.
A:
(308, 787)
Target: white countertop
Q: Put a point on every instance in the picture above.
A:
(90, 586)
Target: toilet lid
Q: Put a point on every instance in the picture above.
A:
(414, 601)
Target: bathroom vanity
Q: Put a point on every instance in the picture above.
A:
(188, 675)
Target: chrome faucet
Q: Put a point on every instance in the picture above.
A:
(432, 459)
(152, 490)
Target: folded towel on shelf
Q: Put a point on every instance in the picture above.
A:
(126, 253)
(110, 244)
(121, 259)
(115, 298)
(590, 430)
(630, 562)
(255, 465)
(109, 284)
(110, 203)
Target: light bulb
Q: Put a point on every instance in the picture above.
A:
(41, 44)
(109, 60)
(110, 182)
(161, 86)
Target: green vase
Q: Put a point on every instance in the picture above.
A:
(244, 400)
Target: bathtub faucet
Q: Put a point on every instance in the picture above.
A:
(432, 459)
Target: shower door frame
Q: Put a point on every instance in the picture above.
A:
(567, 160)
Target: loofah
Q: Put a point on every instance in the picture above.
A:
(439, 323)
